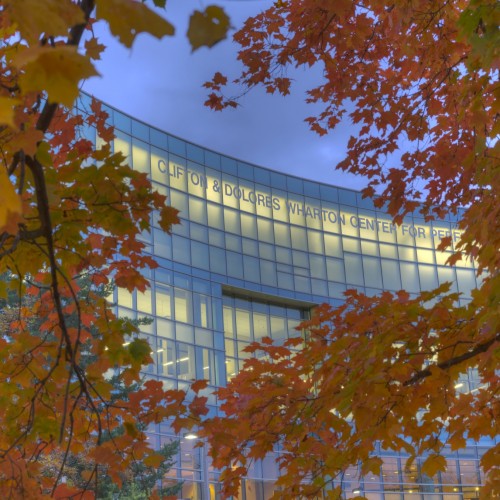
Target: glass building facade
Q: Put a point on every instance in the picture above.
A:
(255, 251)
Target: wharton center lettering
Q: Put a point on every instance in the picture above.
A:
(294, 208)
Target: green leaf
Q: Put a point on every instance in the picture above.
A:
(130, 429)
(139, 350)
(127, 18)
(207, 28)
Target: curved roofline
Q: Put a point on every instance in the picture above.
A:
(187, 141)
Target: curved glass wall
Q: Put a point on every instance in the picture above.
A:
(255, 250)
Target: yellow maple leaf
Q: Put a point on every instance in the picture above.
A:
(433, 464)
(207, 28)
(128, 18)
(56, 70)
(7, 110)
(10, 204)
(49, 17)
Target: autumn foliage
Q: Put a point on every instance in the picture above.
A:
(419, 80)
(71, 211)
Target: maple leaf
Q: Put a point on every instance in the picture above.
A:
(128, 18)
(49, 18)
(208, 28)
(57, 70)
(10, 204)
(94, 49)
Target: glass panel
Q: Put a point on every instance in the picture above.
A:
(317, 266)
(425, 256)
(162, 244)
(125, 298)
(140, 156)
(243, 325)
(300, 259)
(248, 226)
(285, 281)
(231, 368)
(351, 245)
(353, 269)
(371, 269)
(232, 221)
(229, 200)
(165, 328)
(229, 347)
(196, 179)
(180, 202)
(250, 247)
(428, 277)
(447, 274)
(166, 357)
(266, 251)
(335, 270)
(183, 309)
(204, 337)
(181, 249)
(234, 265)
(302, 284)
(389, 251)
(185, 362)
(177, 172)
(386, 230)
(233, 243)
(299, 238)
(199, 255)
(265, 229)
(260, 326)
(315, 241)
(163, 302)
(202, 310)
(215, 218)
(228, 321)
(369, 248)
(466, 281)
(217, 260)
(251, 268)
(197, 210)
(407, 253)
(390, 273)
(278, 328)
(409, 277)
(333, 246)
(144, 301)
(159, 165)
(282, 234)
(283, 255)
(268, 273)
(122, 144)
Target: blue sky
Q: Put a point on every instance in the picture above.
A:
(160, 82)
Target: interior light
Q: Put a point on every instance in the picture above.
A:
(191, 436)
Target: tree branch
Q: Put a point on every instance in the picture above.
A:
(445, 365)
